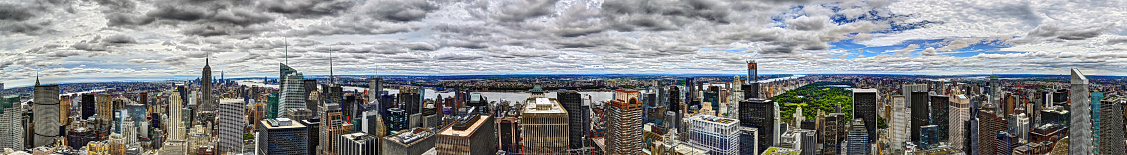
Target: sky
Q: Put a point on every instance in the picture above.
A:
(113, 40)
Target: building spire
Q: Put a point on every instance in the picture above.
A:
(331, 64)
(207, 60)
(287, 45)
(36, 77)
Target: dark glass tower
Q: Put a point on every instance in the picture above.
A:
(572, 102)
(765, 119)
(941, 116)
(865, 108)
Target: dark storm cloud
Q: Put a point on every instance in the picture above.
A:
(11, 12)
(119, 39)
(518, 11)
(397, 10)
(306, 8)
(636, 15)
(198, 18)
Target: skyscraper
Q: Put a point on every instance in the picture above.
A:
(359, 144)
(46, 112)
(865, 108)
(898, 123)
(1111, 125)
(765, 119)
(332, 126)
(858, 138)
(206, 102)
(916, 97)
(230, 123)
(470, 134)
(11, 127)
(624, 123)
(292, 95)
(720, 136)
(577, 116)
(940, 116)
(281, 137)
(960, 113)
(544, 126)
(1079, 132)
(176, 128)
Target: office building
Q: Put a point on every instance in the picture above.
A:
(544, 126)
(940, 116)
(719, 136)
(865, 107)
(104, 112)
(281, 137)
(766, 121)
(898, 123)
(1111, 125)
(312, 132)
(230, 122)
(372, 124)
(292, 96)
(414, 141)
(916, 96)
(858, 143)
(1095, 105)
(311, 95)
(87, 107)
(409, 97)
(577, 116)
(471, 134)
(990, 123)
(46, 112)
(11, 126)
(960, 113)
(176, 128)
(1079, 133)
(623, 123)
(396, 119)
(359, 144)
(833, 132)
(332, 126)
(749, 143)
(207, 102)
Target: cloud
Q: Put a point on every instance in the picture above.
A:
(929, 52)
(1054, 32)
(119, 39)
(909, 49)
(9, 12)
(957, 44)
(306, 8)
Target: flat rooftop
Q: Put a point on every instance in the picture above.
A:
(543, 106)
(450, 131)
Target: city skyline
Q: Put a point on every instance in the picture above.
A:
(149, 40)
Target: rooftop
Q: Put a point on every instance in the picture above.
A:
(450, 131)
(280, 123)
(543, 106)
(714, 119)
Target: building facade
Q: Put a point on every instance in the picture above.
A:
(413, 141)
(230, 122)
(576, 116)
(719, 136)
(471, 134)
(1080, 133)
(292, 97)
(544, 126)
(46, 112)
(865, 107)
(11, 127)
(281, 136)
(359, 144)
(624, 123)
(766, 121)
(1111, 125)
